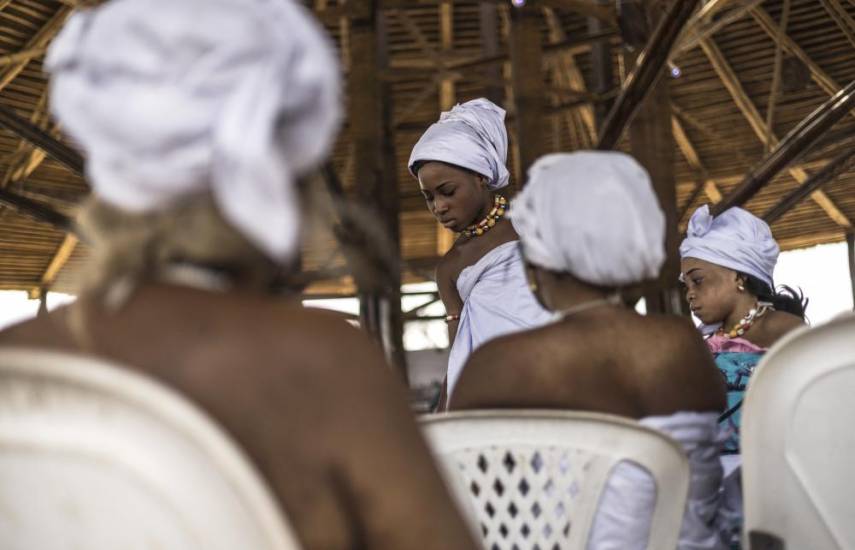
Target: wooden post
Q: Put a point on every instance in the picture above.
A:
(375, 172)
(602, 70)
(528, 86)
(850, 245)
(488, 20)
(652, 143)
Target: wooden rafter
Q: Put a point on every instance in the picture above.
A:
(819, 76)
(749, 111)
(702, 26)
(57, 262)
(528, 85)
(776, 69)
(568, 76)
(840, 16)
(40, 40)
(708, 184)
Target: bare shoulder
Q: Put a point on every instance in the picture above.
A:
(492, 373)
(781, 322)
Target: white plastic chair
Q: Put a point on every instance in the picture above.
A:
(98, 457)
(798, 442)
(533, 478)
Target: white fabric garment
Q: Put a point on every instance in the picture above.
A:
(169, 98)
(496, 301)
(592, 214)
(735, 239)
(713, 512)
(472, 136)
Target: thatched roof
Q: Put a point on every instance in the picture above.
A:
(437, 54)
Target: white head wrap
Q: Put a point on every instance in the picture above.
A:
(592, 214)
(735, 239)
(472, 136)
(172, 97)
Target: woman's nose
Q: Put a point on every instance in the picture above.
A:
(440, 206)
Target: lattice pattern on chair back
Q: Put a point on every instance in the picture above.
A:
(527, 493)
(531, 480)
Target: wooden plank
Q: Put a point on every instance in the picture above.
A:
(528, 85)
(819, 76)
(568, 75)
(369, 115)
(749, 111)
(39, 40)
(488, 22)
(840, 16)
(691, 154)
(57, 262)
(776, 70)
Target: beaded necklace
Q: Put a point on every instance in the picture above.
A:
(500, 206)
(759, 310)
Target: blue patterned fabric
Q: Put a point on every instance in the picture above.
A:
(736, 367)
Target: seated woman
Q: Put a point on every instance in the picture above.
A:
(590, 224)
(727, 267)
(460, 165)
(198, 118)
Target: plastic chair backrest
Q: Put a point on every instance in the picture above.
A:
(533, 478)
(99, 457)
(798, 441)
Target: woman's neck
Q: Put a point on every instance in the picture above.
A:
(739, 312)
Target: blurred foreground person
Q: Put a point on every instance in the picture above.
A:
(200, 121)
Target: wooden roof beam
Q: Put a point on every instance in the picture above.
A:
(771, 28)
(840, 16)
(568, 76)
(701, 26)
(528, 86)
(645, 75)
(39, 40)
(749, 111)
(57, 262)
(776, 69)
(592, 8)
(705, 183)
(829, 172)
(38, 137)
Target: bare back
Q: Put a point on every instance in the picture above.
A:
(327, 425)
(609, 360)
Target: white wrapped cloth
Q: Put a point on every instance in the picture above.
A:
(735, 239)
(173, 97)
(592, 214)
(713, 514)
(496, 301)
(472, 136)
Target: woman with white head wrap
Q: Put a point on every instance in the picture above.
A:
(198, 118)
(460, 165)
(590, 224)
(727, 267)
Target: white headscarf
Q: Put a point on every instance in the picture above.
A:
(735, 239)
(592, 214)
(472, 136)
(172, 97)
